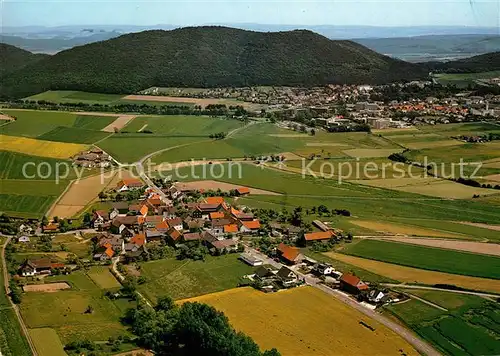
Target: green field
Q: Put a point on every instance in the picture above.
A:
(66, 96)
(12, 340)
(47, 343)
(12, 163)
(469, 327)
(186, 279)
(64, 311)
(103, 277)
(427, 258)
(73, 135)
(464, 79)
(183, 125)
(38, 124)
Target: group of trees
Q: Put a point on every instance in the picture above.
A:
(218, 135)
(189, 329)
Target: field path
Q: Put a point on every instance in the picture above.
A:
(465, 246)
(412, 286)
(419, 345)
(14, 306)
(427, 302)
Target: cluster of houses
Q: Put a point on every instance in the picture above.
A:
(128, 228)
(41, 266)
(95, 158)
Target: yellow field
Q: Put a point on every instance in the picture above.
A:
(433, 144)
(39, 147)
(418, 276)
(304, 321)
(391, 228)
(371, 152)
(429, 186)
(406, 129)
(46, 341)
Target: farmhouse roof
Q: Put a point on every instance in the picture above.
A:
(286, 273)
(174, 221)
(216, 215)
(194, 236)
(288, 253)
(321, 235)
(208, 207)
(139, 239)
(243, 190)
(174, 234)
(214, 200)
(220, 244)
(252, 225)
(353, 281)
(231, 228)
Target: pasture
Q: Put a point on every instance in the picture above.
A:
(464, 79)
(40, 148)
(435, 259)
(186, 279)
(67, 311)
(103, 277)
(417, 276)
(467, 328)
(47, 343)
(318, 325)
(12, 165)
(446, 244)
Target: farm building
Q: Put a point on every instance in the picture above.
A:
(34, 267)
(321, 225)
(251, 260)
(129, 184)
(289, 255)
(352, 284)
(318, 236)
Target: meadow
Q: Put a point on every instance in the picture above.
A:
(462, 80)
(317, 325)
(12, 340)
(64, 311)
(186, 279)
(467, 328)
(428, 258)
(102, 277)
(73, 135)
(47, 343)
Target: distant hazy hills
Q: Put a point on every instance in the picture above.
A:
(428, 48)
(13, 58)
(207, 57)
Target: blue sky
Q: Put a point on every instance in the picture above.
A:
(304, 12)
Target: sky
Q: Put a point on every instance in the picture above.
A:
(296, 12)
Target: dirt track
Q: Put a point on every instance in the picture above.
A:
(466, 246)
(214, 185)
(50, 287)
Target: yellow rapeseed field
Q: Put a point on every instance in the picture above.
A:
(304, 321)
(42, 148)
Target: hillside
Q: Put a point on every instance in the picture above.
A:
(482, 63)
(438, 47)
(13, 58)
(208, 57)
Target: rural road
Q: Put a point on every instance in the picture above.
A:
(121, 278)
(419, 345)
(14, 306)
(412, 286)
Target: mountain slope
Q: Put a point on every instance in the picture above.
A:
(13, 58)
(208, 57)
(482, 63)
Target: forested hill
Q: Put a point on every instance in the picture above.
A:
(13, 58)
(482, 63)
(207, 57)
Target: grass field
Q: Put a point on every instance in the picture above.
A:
(66, 96)
(64, 311)
(41, 148)
(305, 321)
(464, 79)
(469, 327)
(47, 343)
(392, 228)
(12, 163)
(103, 277)
(417, 276)
(73, 135)
(185, 279)
(183, 125)
(435, 259)
(12, 340)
